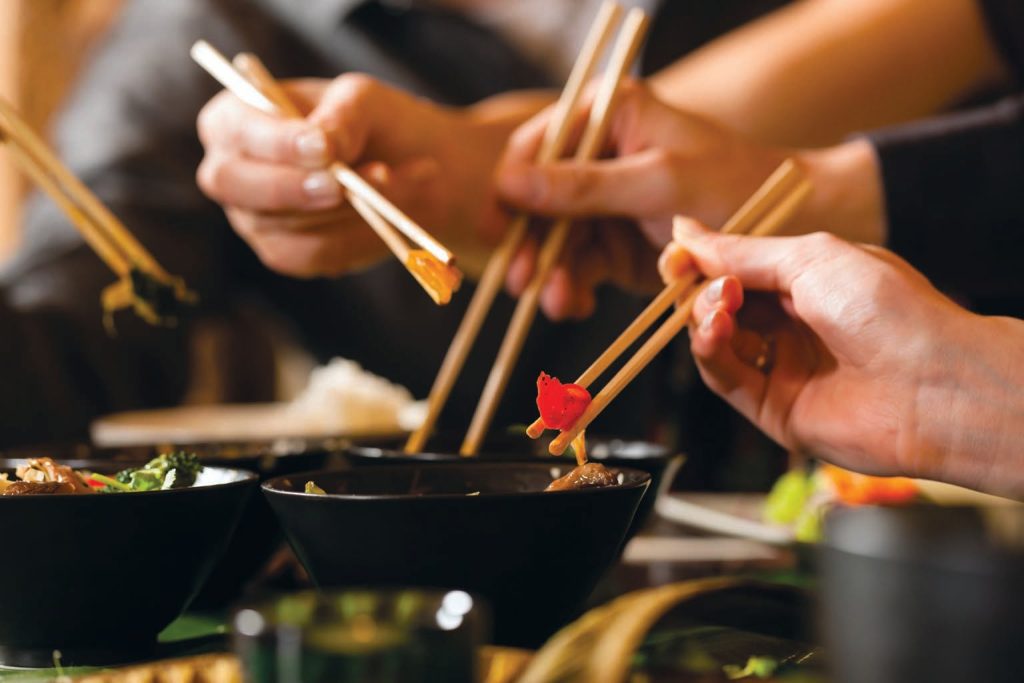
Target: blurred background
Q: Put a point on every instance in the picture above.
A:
(42, 43)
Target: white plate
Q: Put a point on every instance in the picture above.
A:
(727, 514)
(216, 424)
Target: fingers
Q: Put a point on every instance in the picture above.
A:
(643, 183)
(232, 127)
(734, 378)
(723, 293)
(261, 186)
(762, 263)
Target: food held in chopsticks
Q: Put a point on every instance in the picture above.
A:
(432, 264)
(44, 476)
(560, 405)
(438, 279)
(143, 284)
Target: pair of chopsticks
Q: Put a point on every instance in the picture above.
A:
(433, 267)
(553, 147)
(142, 283)
(767, 210)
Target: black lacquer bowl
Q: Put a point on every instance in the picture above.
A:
(488, 529)
(98, 576)
(615, 453)
(258, 534)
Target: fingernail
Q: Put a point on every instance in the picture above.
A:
(312, 147)
(708, 322)
(714, 291)
(320, 187)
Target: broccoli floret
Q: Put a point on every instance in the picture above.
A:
(167, 471)
(185, 466)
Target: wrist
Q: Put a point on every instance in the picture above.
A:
(848, 198)
(472, 150)
(973, 424)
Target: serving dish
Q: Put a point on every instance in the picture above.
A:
(489, 529)
(657, 460)
(97, 577)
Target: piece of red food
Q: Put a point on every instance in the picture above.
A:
(560, 404)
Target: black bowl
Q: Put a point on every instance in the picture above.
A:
(616, 453)
(99, 576)
(258, 534)
(534, 556)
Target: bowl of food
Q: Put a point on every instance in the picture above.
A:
(258, 535)
(657, 460)
(489, 529)
(100, 560)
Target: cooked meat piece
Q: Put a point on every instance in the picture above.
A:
(588, 476)
(46, 470)
(35, 488)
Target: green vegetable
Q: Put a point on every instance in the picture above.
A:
(167, 471)
(761, 667)
(788, 497)
(809, 526)
(311, 487)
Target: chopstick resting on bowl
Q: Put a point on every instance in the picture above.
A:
(623, 54)
(552, 147)
(143, 284)
(432, 264)
(763, 214)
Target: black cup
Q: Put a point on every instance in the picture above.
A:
(924, 593)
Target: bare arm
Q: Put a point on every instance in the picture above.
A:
(819, 69)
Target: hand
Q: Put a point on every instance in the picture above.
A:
(269, 173)
(862, 362)
(665, 162)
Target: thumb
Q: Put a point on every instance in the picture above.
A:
(635, 186)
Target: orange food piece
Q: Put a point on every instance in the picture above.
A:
(853, 488)
(560, 405)
(439, 280)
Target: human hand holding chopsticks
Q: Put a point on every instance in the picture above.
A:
(664, 162)
(270, 174)
(848, 353)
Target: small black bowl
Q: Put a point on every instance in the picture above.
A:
(489, 529)
(258, 534)
(99, 576)
(615, 453)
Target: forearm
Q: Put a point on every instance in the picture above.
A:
(973, 422)
(819, 69)
(848, 197)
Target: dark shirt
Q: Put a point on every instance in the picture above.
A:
(953, 185)
(128, 131)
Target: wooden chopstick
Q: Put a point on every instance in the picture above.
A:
(111, 240)
(225, 72)
(552, 147)
(757, 207)
(774, 220)
(623, 54)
